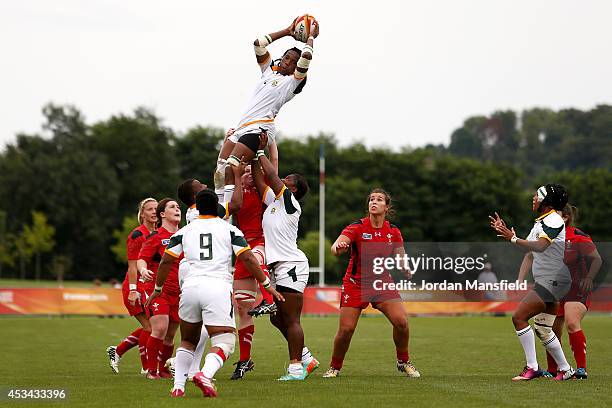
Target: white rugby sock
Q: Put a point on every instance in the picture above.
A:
(228, 191)
(527, 339)
(295, 369)
(183, 360)
(306, 356)
(212, 364)
(199, 352)
(553, 346)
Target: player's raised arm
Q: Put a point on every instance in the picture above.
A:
(235, 203)
(260, 44)
(274, 182)
(306, 56)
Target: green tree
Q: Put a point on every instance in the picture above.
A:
(7, 256)
(139, 151)
(24, 252)
(39, 238)
(120, 235)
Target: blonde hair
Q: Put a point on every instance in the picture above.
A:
(141, 208)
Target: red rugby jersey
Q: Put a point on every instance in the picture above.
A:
(578, 245)
(151, 252)
(361, 233)
(250, 215)
(134, 242)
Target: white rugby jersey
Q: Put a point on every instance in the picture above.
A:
(207, 243)
(549, 264)
(192, 212)
(280, 226)
(271, 92)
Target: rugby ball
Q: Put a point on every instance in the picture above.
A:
(303, 27)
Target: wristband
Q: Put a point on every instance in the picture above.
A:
(514, 239)
(266, 283)
(158, 288)
(260, 153)
(133, 286)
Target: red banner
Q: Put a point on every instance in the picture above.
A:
(56, 301)
(317, 301)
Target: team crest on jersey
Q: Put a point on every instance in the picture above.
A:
(378, 234)
(365, 235)
(274, 83)
(272, 211)
(165, 242)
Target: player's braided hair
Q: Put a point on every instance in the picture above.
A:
(556, 197)
(390, 211)
(277, 61)
(161, 207)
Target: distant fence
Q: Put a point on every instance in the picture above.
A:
(320, 301)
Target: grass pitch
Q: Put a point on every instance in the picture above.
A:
(464, 361)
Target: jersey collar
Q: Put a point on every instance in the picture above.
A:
(193, 206)
(544, 215)
(206, 217)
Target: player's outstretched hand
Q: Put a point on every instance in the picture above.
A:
(315, 32)
(342, 247)
(275, 294)
(263, 140)
(229, 132)
(291, 29)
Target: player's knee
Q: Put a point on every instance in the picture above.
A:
(401, 325)
(233, 161)
(573, 326)
(224, 341)
(245, 298)
(221, 165)
(518, 321)
(543, 323)
(346, 331)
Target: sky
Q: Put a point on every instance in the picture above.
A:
(385, 73)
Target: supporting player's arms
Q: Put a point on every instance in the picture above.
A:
(235, 203)
(251, 263)
(271, 175)
(525, 266)
(260, 44)
(162, 273)
(273, 148)
(258, 178)
(341, 245)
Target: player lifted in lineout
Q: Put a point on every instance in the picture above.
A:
(280, 81)
(208, 243)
